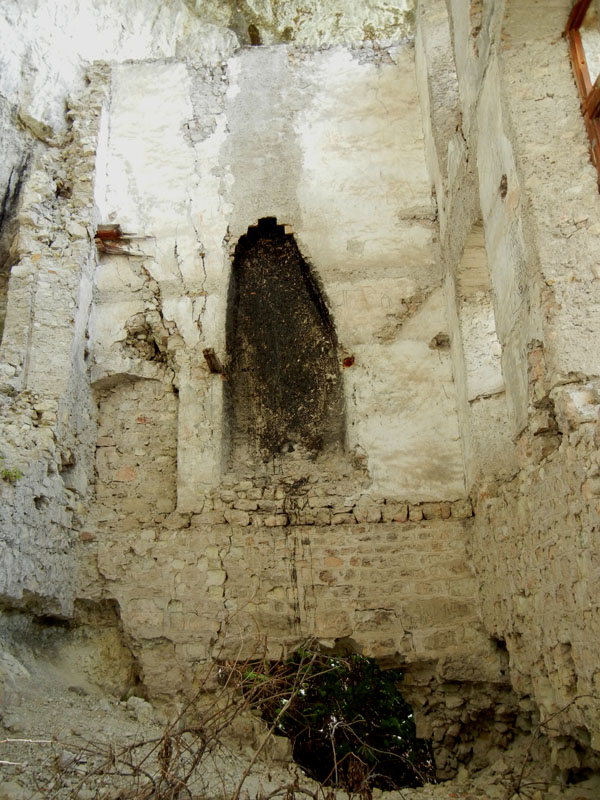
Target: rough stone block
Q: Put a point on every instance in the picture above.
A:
(237, 517)
(367, 514)
(462, 509)
(125, 474)
(175, 521)
(320, 502)
(209, 518)
(342, 519)
(216, 577)
(276, 520)
(245, 505)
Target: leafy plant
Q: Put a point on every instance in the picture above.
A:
(10, 474)
(348, 723)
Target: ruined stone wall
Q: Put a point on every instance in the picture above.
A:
(553, 580)
(520, 161)
(49, 114)
(47, 413)
(366, 546)
(228, 158)
(329, 145)
(466, 334)
(48, 47)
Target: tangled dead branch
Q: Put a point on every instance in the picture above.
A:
(519, 786)
(186, 759)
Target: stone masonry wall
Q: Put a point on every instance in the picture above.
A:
(287, 555)
(554, 495)
(544, 524)
(45, 404)
(214, 587)
(366, 546)
(273, 562)
(520, 160)
(493, 617)
(136, 461)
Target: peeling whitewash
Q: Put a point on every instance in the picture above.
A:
(329, 144)
(442, 193)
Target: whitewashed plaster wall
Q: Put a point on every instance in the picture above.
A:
(47, 45)
(330, 143)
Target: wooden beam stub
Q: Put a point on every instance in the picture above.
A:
(213, 361)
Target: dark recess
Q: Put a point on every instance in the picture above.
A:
(254, 35)
(349, 725)
(284, 375)
(9, 205)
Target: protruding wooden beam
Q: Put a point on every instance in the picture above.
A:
(110, 239)
(212, 359)
(111, 233)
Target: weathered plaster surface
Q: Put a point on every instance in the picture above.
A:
(536, 507)
(48, 44)
(312, 22)
(329, 144)
(47, 411)
(557, 454)
(456, 248)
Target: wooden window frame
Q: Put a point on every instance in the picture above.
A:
(588, 91)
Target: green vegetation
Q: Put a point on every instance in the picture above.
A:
(347, 720)
(345, 717)
(10, 474)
